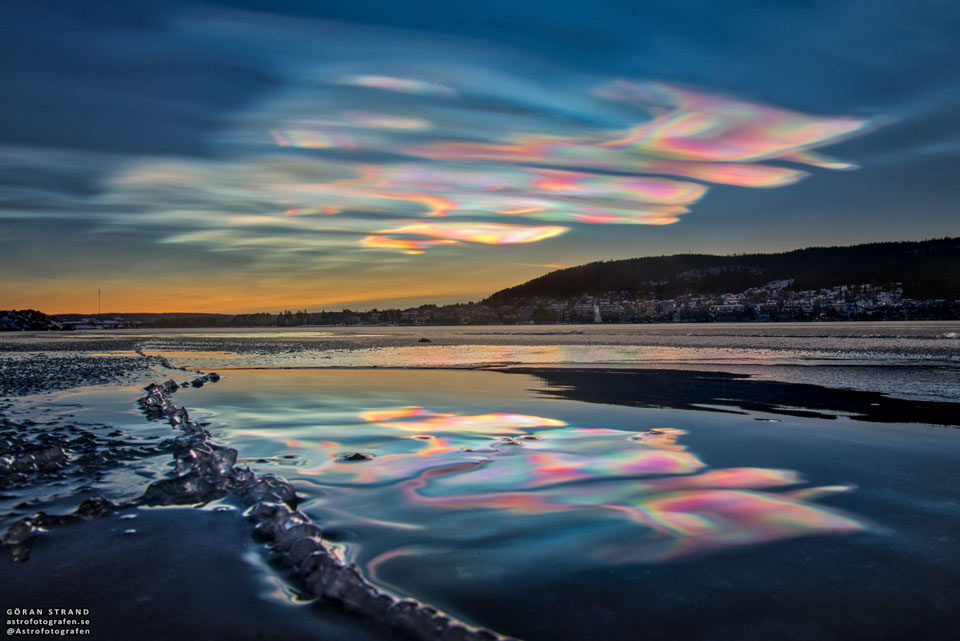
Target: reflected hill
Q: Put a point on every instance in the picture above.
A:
(736, 393)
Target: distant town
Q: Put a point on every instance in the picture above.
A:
(885, 281)
(773, 302)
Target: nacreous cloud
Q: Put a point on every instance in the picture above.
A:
(434, 131)
(454, 233)
(385, 140)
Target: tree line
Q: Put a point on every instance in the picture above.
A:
(927, 270)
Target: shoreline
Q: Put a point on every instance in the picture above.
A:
(544, 327)
(678, 389)
(917, 361)
(207, 472)
(706, 390)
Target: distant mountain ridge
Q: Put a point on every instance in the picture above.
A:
(928, 269)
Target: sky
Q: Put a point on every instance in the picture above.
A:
(242, 156)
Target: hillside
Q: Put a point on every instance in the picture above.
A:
(927, 269)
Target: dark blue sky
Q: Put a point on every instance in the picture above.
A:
(261, 155)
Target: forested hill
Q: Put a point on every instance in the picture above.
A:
(927, 269)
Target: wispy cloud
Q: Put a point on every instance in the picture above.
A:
(356, 147)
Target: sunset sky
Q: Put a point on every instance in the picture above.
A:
(265, 155)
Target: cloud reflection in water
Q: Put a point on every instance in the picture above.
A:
(664, 502)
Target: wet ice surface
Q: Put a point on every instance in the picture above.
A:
(542, 518)
(508, 500)
(204, 472)
(60, 448)
(34, 372)
(914, 360)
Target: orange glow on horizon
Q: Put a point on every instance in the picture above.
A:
(239, 295)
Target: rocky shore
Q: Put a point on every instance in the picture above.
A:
(24, 320)
(208, 471)
(203, 472)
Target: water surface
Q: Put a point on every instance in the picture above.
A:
(918, 360)
(503, 501)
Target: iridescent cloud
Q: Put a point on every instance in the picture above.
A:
(393, 83)
(696, 126)
(533, 193)
(604, 175)
(307, 211)
(455, 233)
(313, 139)
(435, 131)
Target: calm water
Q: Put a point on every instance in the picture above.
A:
(544, 518)
(562, 511)
(919, 360)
